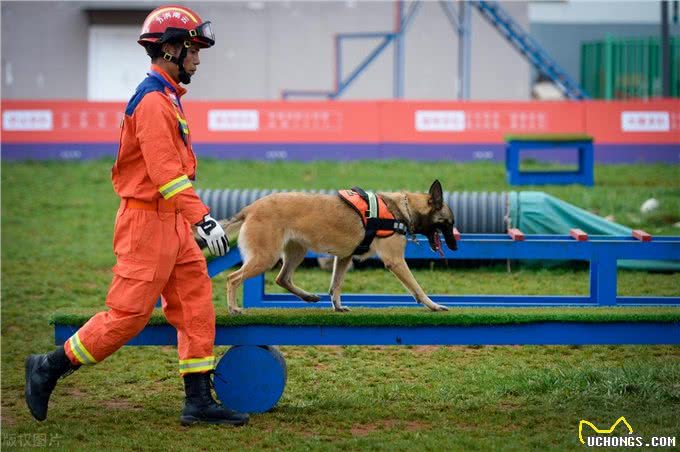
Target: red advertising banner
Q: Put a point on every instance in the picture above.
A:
(476, 122)
(367, 122)
(634, 122)
(284, 122)
(61, 121)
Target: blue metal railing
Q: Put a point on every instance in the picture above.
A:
(601, 251)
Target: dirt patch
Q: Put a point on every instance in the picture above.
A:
(425, 350)
(75, 392)
(389, 424)
(363, 430)
(7, 420)
(120, 405)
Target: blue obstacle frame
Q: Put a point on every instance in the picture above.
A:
(602, 252)
(536, 333)
(252, 375)
(584, 175)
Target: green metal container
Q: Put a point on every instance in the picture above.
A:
(627, 68)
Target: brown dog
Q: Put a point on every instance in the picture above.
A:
(286, 225)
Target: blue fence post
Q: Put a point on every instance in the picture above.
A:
(586, 163)
(593, 280)
(253, 292)
(512, 162)
(605, 286)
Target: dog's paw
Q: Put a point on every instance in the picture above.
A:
(341, 309)
(311, 298)
(439, 307)
(235, 311)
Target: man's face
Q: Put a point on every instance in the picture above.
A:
(192, 59)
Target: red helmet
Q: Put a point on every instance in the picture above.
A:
(176, 23)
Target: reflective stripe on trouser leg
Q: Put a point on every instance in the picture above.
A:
(187, 366)
(79, 350)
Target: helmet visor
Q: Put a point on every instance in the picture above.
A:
(204, 33)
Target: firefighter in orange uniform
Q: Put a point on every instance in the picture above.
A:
(153, 240)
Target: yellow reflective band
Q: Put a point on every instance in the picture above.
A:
(80, 351)
(197, 364)
(197, 369)
(196, 360)
(175, 186)
(76, 352)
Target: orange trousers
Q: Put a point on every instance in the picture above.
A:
(156, 255)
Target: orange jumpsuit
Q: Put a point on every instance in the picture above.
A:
(153, 241)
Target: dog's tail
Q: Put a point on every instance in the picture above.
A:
(231, 227)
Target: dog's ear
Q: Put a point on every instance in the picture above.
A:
(436, 195)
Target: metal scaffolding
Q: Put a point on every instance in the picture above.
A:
(458, 13)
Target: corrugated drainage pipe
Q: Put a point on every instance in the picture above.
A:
(475, 212)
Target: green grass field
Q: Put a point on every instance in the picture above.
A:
(57, 225)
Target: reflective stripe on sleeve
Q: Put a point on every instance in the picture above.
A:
(79, 350)
(175, 186)
(196, 365)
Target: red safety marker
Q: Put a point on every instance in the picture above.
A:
(516, 234)
(642, 235)
(578, 235)
(456, 234)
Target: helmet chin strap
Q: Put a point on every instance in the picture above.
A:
(184, 76)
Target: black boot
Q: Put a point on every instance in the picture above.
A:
(200, 407)
(42, 373)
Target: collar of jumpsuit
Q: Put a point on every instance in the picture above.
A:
(173, 85)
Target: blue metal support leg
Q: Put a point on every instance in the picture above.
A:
(605, 290)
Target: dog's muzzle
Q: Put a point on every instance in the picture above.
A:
(449, 238)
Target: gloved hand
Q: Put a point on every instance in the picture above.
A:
(213, 234)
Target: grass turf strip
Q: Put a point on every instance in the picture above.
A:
(413, 317)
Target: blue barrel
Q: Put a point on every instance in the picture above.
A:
(251, 379)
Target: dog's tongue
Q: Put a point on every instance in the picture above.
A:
(438, 244)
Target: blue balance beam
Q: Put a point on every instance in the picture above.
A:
(252, 375)
(602, 252)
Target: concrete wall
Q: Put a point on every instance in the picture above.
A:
(264, 47)
(44, 50)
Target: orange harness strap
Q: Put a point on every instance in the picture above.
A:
(377, 219)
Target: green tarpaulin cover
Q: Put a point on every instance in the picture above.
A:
(536, 212)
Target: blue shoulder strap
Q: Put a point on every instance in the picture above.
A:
(148, 85)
